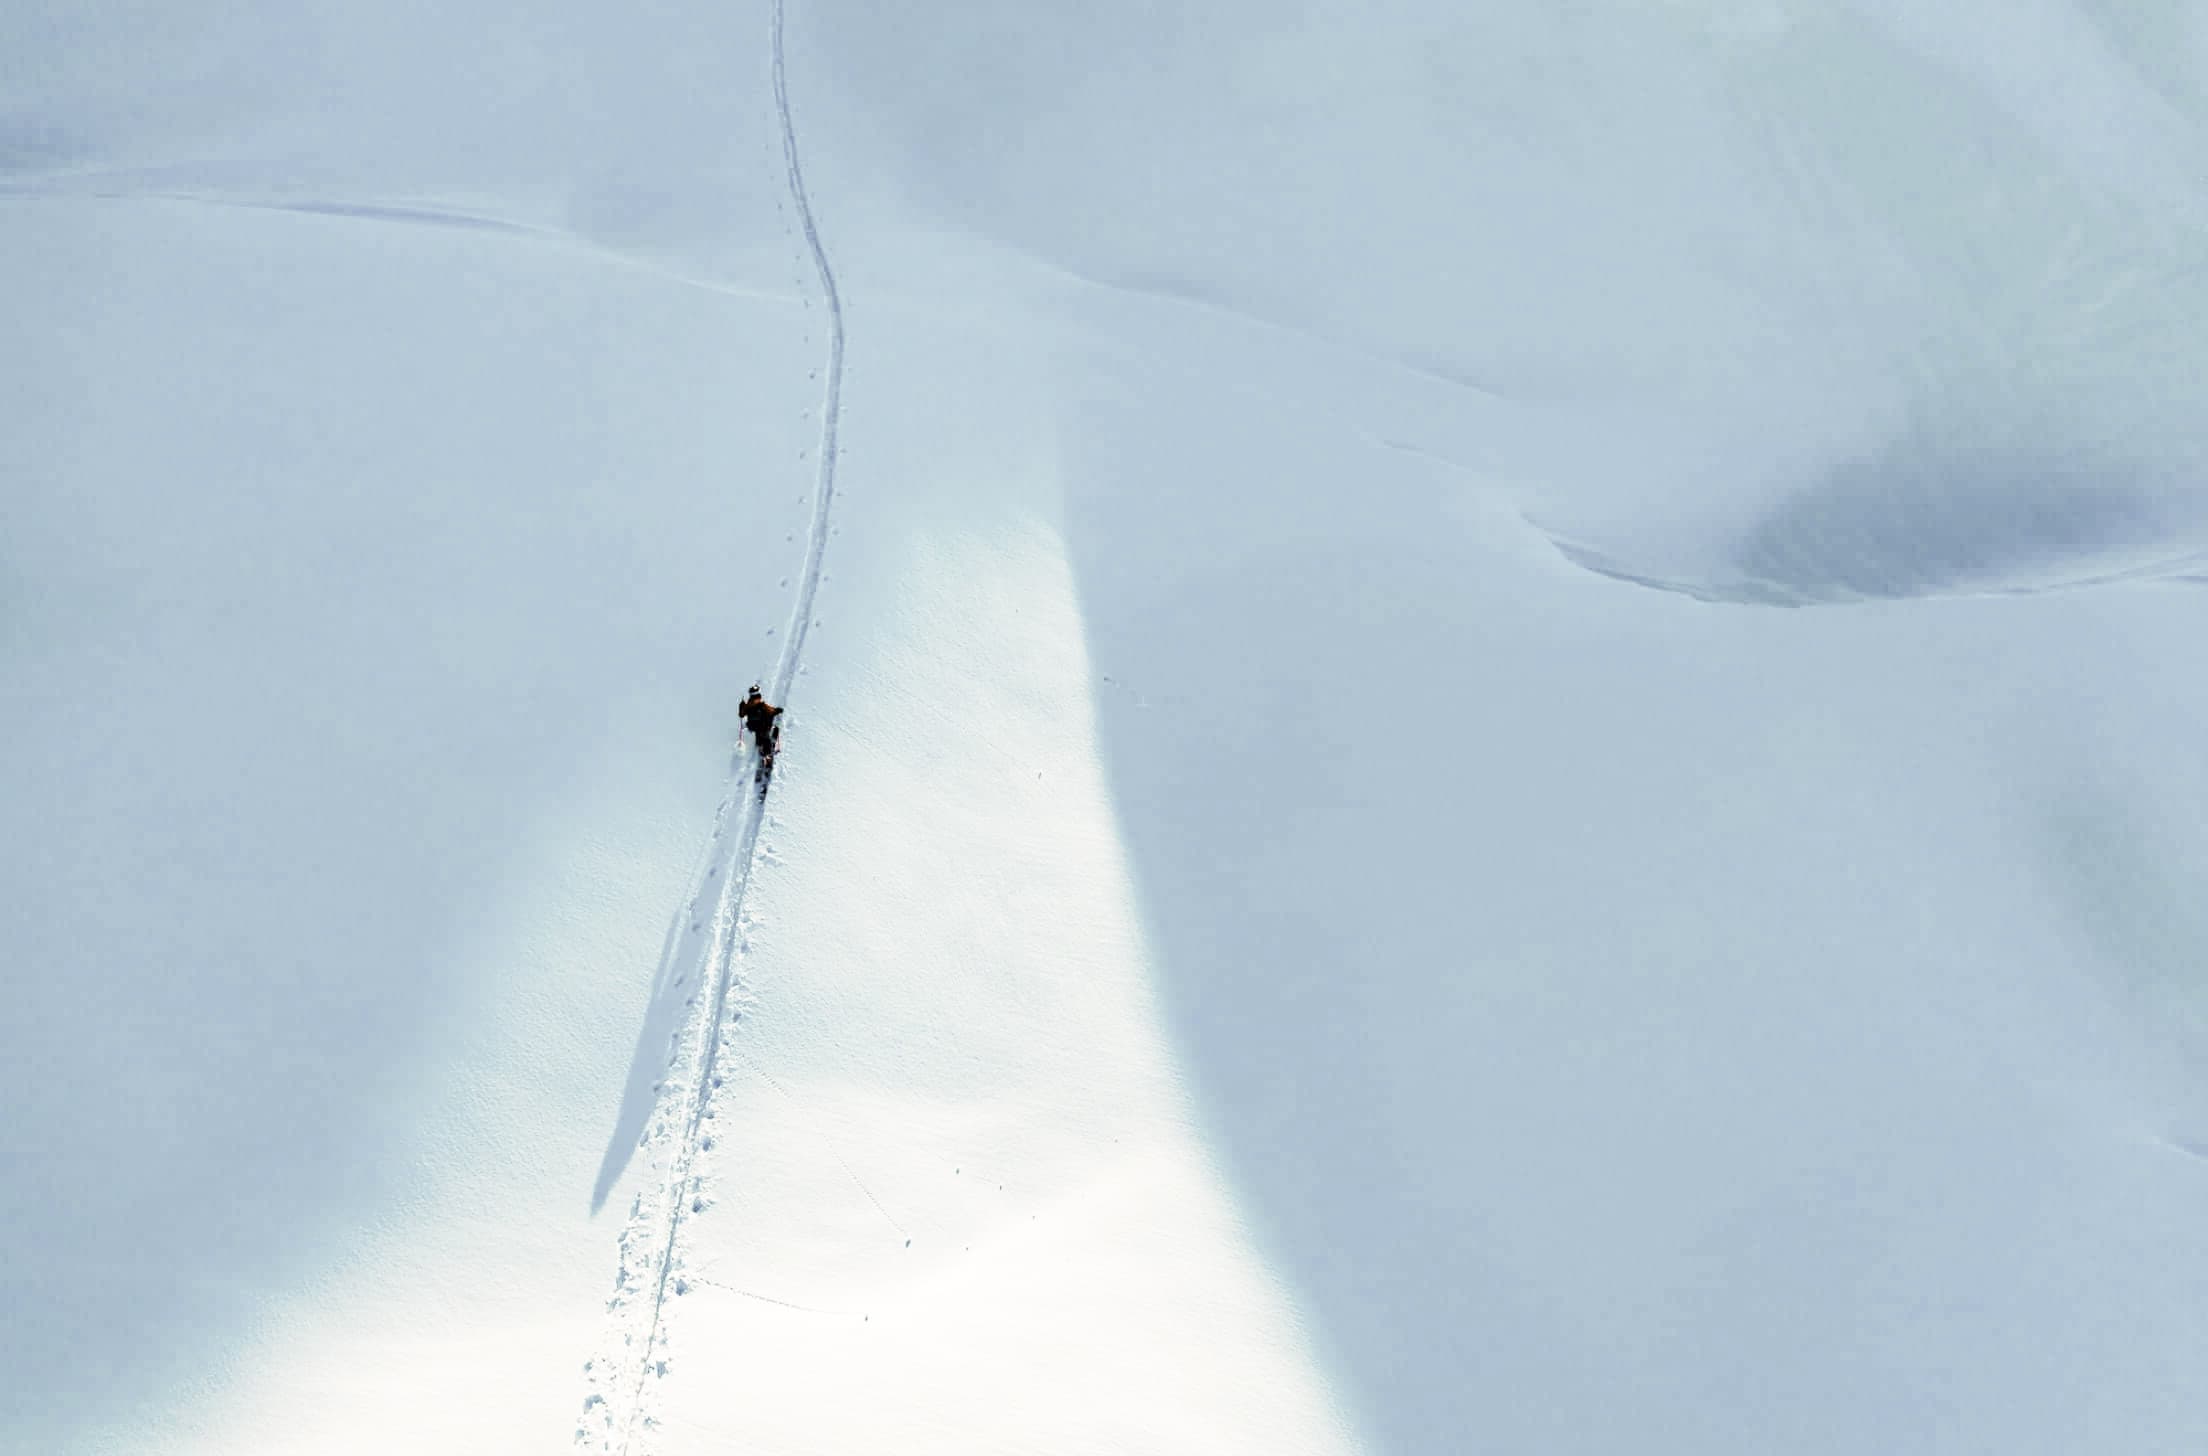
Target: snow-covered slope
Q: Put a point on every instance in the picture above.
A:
(375, 597)
(1313, 901)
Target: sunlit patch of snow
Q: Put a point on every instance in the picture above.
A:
(953, 1140)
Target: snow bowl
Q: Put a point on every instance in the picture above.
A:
(1916, 520)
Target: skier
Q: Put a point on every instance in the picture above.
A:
(759, 716)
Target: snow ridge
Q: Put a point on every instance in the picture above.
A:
(620, 1373)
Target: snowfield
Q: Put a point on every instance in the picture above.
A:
(1491, 744)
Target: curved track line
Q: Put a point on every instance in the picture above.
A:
(831, 404)
(693, 1079)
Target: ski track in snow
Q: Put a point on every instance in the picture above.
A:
(621, 1372)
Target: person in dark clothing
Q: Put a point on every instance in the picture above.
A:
(760, 717)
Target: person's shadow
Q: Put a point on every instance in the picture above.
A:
(676, 983)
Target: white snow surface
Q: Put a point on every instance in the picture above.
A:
(1492, 743)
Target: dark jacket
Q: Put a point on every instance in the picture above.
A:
(759, 716)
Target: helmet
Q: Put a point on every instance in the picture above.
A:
(755, 690)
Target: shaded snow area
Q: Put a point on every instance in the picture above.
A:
(1493, 740)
